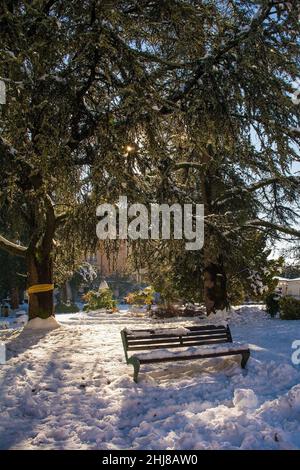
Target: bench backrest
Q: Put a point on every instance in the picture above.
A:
(137, 340)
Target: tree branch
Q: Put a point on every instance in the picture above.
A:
(62, 217)
(254, 187)
(214, 58)
(180, 165)
(12, 248)
(271, 225)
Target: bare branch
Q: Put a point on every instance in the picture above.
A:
(180, 165)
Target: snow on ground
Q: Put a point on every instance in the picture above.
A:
(13, 321)
(71, 388)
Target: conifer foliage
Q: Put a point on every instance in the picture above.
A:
(186, 100)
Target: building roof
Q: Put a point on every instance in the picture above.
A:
(286, 279)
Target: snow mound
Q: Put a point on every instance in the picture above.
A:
(21, 321)
(293, 397)
(42, 324)
(219, 318)
(244, 398)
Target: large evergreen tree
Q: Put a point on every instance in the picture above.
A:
(75, 90)
(199, 90)
(234, 129)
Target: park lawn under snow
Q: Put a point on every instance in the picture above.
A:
(70, 388)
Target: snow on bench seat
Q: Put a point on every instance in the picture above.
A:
(181, 331)
(191, 351)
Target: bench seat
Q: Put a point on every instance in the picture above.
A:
(160, 355)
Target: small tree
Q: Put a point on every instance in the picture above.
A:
(272, 303)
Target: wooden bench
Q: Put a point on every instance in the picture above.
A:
(193, 342)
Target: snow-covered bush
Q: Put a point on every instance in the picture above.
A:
(176, 310)
(289, 308)
(103, 298)
(142, 297)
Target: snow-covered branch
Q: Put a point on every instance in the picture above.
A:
(12, 248)
(278, 228)
(212, 59)
(255, 187)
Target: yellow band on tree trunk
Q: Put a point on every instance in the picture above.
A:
(40, 288)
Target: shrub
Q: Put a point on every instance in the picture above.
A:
(103, 298)
(66, 308)
(289, 308)
(173, 310)
(142, 297)
(272, 303)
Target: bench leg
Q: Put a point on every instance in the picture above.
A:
(136, 367)
(245, 357)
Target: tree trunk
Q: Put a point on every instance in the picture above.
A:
(69, 292)
(63, 294)
(215, 281)
(38, 254)
(14, 298)
(40, 271)
(215, 287)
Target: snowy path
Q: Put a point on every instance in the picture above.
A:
(70, 388)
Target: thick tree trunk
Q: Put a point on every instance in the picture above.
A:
(38, 254)
(215, 287)
(40, 271)
(215, 281)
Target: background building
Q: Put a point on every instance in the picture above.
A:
(288, 286)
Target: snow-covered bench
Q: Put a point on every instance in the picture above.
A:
(194, 342)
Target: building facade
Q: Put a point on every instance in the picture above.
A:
(288, 287)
